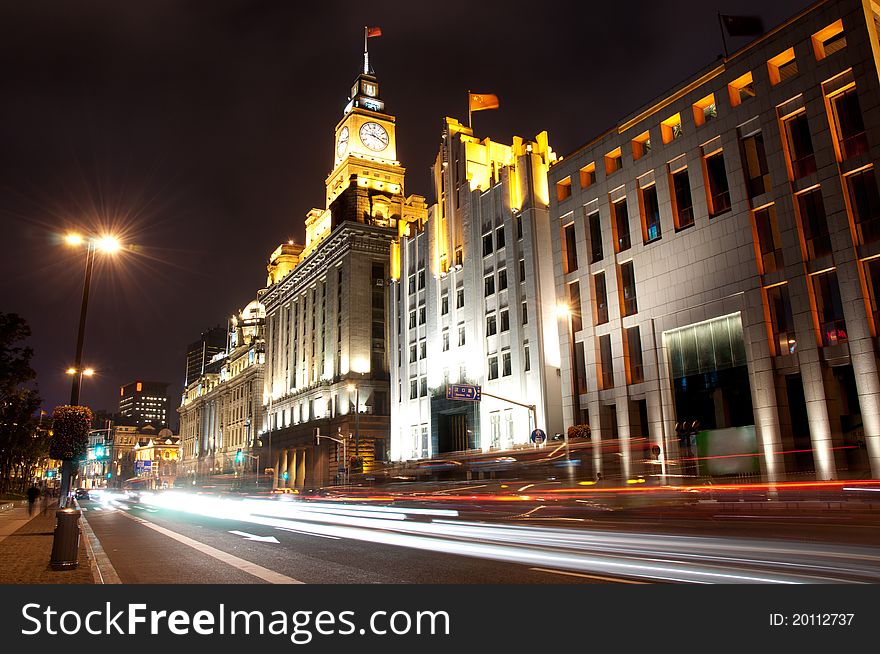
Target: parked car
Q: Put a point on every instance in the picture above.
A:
(81, 494)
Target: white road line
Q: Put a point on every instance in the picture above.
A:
(615, 580)
(245, 566)
(308, 533)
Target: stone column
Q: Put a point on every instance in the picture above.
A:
(301, 469)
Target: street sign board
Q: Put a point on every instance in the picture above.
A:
(466, 392)
(538, 437)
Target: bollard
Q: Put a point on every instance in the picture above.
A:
(65, 546)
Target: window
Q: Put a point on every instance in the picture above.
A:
(444, 304)
(527, 365)
(525, 313)
(522, 270)
(421, 279)
(705, 110)
(493, 367)
(641, 145)
(755, 164)
(800, 145)
(580, 368)
(490, 325)
(588, 175)
(849, 127)
(601, 295)
(487, 244)
(445, 340)
(634, 368)
(814, 227)
(502, 279)
(412, 352)
(670, 129)
(412, 319)
(872, 277)
(613, 161)
(459, 254)
(865, 203)
(829, 308)
(413, 389)
(574, 304)
(683, 204)
(459, 298)
(718, 194)
(423, 387)
(422, 315)
(595, 228)
(620, 215)
(740, 89)
(782, 67)
(505, 320)
(423, 349)
(767, 241)
(563, 189)
(569, 240)
(489, 285)
(628, 305)
(461, 335)
(499, 238)
(519, 223)
(781, 321)
(505, 364)
(650, 214)
(411, 285)
(829, 40)
(606, 371)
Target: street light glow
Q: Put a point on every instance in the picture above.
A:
(562, 310)
(88, 372)
(107, 244)
(71, 371)
(351, 388)
(73, 239)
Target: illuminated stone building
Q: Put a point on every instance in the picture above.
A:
(720, 250)
(326, 304)
(156, 460)
(473, 302)
(220, 411)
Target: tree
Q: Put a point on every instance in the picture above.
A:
(20, 441)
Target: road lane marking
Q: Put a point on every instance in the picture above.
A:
(308, 533)
(236, 562)
(615, 580)
(254, 537)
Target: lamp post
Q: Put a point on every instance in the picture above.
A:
(108, 245)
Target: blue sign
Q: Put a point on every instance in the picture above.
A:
(466, 392)
(538, 437)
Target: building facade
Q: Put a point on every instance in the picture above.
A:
(220, 410)
(144, 402)
(327, 363)
(473, 301)
(720, 254)
(200, 353)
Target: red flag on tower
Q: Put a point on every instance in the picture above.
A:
(374, 31)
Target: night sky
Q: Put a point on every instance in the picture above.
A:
(202, 132)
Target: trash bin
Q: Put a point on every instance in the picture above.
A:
(65, 546)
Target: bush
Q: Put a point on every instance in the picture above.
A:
(70, 432)
(579, 431)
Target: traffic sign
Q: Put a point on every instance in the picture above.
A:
(466, 392)
(538, 437)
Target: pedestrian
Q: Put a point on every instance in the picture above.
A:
(32, 494)
(44, 497)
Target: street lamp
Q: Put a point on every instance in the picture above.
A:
(108, 245)
(353, 388)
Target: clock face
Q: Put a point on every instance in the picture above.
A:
(374, 136)
(342, 143)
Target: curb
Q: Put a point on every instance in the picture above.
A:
(102, 569)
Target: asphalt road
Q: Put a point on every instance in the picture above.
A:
(140, 554)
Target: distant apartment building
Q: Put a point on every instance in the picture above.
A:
(719, 250)
(221, 408)
(144, 402)
(200, 353)
(473, 303)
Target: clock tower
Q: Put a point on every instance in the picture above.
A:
(365, 147)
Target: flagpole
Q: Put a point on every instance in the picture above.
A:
(366, 52)
(723, 38)
(469, 110)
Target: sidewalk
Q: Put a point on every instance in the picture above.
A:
(26, 547)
